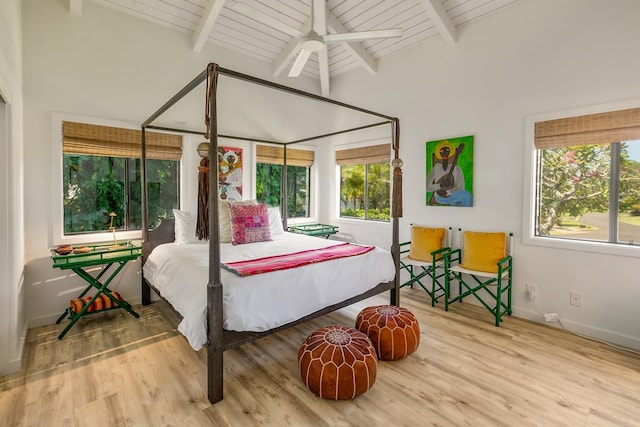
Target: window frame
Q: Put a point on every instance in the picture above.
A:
(56, 219)
(338, 181)
(313, 182)
(309, 187)
(530, 183)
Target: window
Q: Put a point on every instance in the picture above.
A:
(365, 182)
(588, 178)
(101, 175)
(269, 162)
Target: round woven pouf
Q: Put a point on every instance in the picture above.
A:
(394, 331)
(337, 362)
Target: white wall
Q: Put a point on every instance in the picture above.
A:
(109, 66)
(12, 315)
(532, 57)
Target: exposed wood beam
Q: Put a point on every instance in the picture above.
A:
(441, 20)
(208, 18)
(356, 50)
(75, 7)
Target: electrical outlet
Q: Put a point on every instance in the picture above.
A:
(531, 291)
(575, 298)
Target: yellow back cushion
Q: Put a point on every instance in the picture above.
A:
(482, 251)
(425, 240)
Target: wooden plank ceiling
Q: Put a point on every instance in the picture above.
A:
(226, 23)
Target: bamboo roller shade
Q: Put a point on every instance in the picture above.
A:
(95, 140)
(362, 155)
(600, 128)
(275, 156)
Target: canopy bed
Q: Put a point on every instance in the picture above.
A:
(231, 330)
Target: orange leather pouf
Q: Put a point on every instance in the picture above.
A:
(394, 331)
(337, 362)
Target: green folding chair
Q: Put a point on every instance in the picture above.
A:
(421, 258)
(482, 267)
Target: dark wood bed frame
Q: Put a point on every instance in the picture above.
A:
(219, 339)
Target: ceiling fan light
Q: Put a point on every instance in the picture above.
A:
(312, 42)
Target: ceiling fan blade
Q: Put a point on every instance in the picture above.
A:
(262, 17)
(362, 35)
(300, 62)
(320, 16)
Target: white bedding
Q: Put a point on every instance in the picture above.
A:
(263, 301)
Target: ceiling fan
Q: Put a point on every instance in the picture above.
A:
(316, 38)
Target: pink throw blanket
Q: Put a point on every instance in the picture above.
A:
(296, 259)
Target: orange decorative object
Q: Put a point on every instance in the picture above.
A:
(394, 331)
(103, 302)
(337, 362)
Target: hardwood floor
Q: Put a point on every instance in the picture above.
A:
(114, 370)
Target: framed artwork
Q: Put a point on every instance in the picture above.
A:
(230, 173)
(449, 172)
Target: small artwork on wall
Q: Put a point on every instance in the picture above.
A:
(230, 173)
(450, 172)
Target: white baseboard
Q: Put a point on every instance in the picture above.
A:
(582, 329)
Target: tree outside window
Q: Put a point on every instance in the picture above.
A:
(95, 186)
(268, 185)
(101, 175)
(365, 191)
(590, 192)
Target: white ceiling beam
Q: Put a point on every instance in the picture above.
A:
(203, 29)
(356, 50)
(323, 65)
(320, 16)
(75, 7)
(441, 20)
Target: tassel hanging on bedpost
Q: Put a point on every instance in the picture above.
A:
(202, 226)
(396, 163)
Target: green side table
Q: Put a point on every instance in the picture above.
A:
(105, 255)
(319, 230)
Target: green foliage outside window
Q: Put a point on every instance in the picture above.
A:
(95, 186)
(365, 191)
(268, 183)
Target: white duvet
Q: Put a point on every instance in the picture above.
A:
(262, 301)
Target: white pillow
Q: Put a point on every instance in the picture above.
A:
(275, 221)
(185, 226)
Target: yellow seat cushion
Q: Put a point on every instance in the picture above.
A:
(482, 251)
(425, 240)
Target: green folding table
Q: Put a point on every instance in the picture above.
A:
(105, 255)
(319, 230)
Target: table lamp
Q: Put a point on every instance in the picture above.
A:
(113, 230)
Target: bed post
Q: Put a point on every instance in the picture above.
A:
(146, 290)
(284, 207)
(215, 350)
(396, 208)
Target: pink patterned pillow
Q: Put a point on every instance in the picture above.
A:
(249, 223)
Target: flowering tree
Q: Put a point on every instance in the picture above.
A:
(575, 180)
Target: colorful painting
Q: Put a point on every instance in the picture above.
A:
(230, 173)
(450, 172)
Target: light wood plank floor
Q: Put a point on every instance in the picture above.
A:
(114, 370)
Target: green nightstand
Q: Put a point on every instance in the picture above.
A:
(105, 255)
